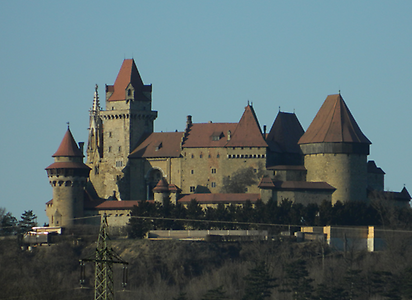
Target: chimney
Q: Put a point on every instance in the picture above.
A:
(81, 147)
(264, 131)
(189, 120)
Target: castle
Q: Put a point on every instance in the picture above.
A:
(127, 161)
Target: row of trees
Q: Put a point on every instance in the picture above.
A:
(10, 226)
(147, 216)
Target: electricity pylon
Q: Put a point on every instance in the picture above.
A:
(104, 258)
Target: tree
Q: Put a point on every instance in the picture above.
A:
(239, 181)
(8, 224)
(258, 283)
(181, 296)
(297, 280)
(139, 227)
(215, 294)
(27, 221)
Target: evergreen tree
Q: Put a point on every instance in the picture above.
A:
(297, 280)
(27, 221)
(215, 294)
(8, 225)
(258, 283)
(195, 212)
(181, 296)
(139, 227)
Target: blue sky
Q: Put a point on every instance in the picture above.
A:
(206, 59)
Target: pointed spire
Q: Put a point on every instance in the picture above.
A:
(68, 146)
(334, 123)
(247, 132)
(128, 75)
(96, 103)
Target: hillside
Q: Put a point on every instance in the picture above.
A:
(163, 269)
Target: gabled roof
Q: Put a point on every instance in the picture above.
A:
(128, 74)
(208, 135)
(285, 133)
(159, 144)
(68, 146)
(219, 198)
(334, 123)
(247, 132)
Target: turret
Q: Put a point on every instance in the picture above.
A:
(335, 151)
(67, 176)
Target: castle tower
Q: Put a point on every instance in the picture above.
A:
(127, 117)
(335, 151)
(67, 176)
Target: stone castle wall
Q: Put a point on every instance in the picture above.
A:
(345, 172)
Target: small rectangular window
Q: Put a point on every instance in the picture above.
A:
(213, 171)
(213, 184)
(192, 189)
(192, 171)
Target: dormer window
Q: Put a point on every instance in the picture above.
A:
(129, 92)
(158, 146)
(216, 136)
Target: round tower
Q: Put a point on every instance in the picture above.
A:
(67, 176)
(335, 151)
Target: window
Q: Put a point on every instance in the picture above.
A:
(110, 148)
(192, 189)
(193, 156)
(120, 148)
(201, 155)
(213, 184)
(213, 171)
(218, 155)
(129, 92)
(192, 171)
(110, 134)
(119, 163)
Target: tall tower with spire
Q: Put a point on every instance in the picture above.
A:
(335, 151)
(67, 176)
(116, 131)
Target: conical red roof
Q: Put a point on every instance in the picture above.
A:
(247, 132)
(68, 146)
(334, 123)
(128, 74)
(161, 186)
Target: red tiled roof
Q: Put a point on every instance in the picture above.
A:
(303, 185)
(219, 198)
(68, 147)
(159, 144)
(266, 182)
(285, 133)
(113, 204)
(334, 123)
(128, 74)
(67, 165)
(247, 132)
(161, 186)
(174, 188)
(201, 135)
